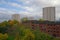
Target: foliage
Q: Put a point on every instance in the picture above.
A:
(3, 36)
(41, 20)
(24, 19)
(13, 30)
(28, 35)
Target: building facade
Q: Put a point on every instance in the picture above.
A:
(49, 13)
(16, 17)
(50, 27)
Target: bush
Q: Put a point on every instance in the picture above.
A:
(3, 36)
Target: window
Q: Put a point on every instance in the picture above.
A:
(54, 35)
(33, 27)
(54, 28)
(54, 31)
(57, 31)
(48, 30)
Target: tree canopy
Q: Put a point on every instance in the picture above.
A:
(13, 30)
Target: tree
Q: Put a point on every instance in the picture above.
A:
(41, 20)
(41, 35)
(26, 34)
(3, 27)
(24, 19)
(3, 36)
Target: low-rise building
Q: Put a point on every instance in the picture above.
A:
(50, 27)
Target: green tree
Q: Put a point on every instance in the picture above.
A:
(41, 36)
(24, 19)
(41, 20)
(28, 35)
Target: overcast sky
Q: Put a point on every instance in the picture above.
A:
(30, 8)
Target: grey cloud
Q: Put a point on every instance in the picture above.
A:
(38, 5)
(46, 3)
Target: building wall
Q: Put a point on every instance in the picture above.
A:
(49, 13)
(16, 17)
(52, 29)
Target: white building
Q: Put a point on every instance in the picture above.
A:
(49, 13)
(16, 17)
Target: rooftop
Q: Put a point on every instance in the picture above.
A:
(41, 22)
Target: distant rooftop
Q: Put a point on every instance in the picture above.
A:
(41, 22)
